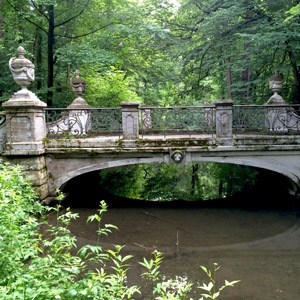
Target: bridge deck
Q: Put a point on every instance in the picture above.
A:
(203, 142)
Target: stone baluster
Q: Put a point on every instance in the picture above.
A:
(130, 119)
(224, 118)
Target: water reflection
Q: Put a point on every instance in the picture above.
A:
(259, 246)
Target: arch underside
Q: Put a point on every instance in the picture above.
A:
(64, 169)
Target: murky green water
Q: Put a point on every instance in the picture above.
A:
(260, 247)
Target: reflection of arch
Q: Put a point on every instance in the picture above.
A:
(284, 165)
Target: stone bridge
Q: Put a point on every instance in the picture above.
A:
(56, 145)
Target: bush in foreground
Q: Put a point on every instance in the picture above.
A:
(36, 267)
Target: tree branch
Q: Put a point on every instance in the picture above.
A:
(88, 33)
(75, 16)
(201, 63)
(27, 19)
(37, 8)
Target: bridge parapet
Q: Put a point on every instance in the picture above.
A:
(222, 120)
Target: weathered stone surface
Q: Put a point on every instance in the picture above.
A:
(130, 119)
(25, 116)
(25, 130)
(38, 177)
(28, 163)
(224, 118)
(67, 159)
(275, 84)
(42, 191)
(79, 103)
(22, 69)
(35, 169)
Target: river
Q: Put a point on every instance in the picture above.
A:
(258, 245)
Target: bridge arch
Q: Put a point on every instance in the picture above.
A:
(103, 165)
(279, 164)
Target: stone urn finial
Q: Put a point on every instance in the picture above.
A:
(22, 69)
(275, 84)
(78, 87)
(78, 84)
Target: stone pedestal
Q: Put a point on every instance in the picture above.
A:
(25, 124)
(224, 118)
(130, 120)
(26, 129)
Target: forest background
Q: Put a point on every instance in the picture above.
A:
(161, 53)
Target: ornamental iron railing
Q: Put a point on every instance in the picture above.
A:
(246, 119)
(177, 120)
(83, 122)
(267, 119)
(2, 119)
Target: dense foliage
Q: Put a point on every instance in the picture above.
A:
(33, 266)
(48, 265)
(190, 181)
(164, 52)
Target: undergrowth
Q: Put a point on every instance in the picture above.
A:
(33, 266)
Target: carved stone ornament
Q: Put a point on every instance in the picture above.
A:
(22, 69)
(78, 84)
(275, 84)
(78, 87)
(177, 156)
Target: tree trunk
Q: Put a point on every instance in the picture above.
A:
(1, 35)
(246, 73)
(38, 59)
(50, 55)
(229, 185)
(296, 73)
(228, 79)
(246, 80)
(220, 189)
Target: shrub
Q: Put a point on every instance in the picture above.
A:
(33, 266)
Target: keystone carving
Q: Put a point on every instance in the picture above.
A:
(177, 156)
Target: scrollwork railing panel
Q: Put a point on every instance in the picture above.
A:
(83, 122)
(268, 119)
(177, 119)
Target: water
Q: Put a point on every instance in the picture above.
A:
(259, 246)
